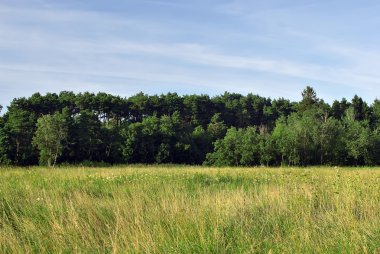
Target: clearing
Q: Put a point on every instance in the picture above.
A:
(183, 209)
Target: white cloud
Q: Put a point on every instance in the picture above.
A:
(39, 56)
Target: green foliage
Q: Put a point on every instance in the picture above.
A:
(86, 136)
(226, 150)
(5, 145)
(170, 128)
(50, 137)
(201, 144)
(309, 99)
(357, 140)
(216, 128)
(309, 138)
(238, 147)
(17, 135)
(375, 117)
(157, 140)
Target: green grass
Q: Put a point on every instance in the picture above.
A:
(171, 209)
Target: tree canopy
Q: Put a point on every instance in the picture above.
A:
(49, 138)
(228, 129)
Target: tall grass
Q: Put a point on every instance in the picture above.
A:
(189, 210)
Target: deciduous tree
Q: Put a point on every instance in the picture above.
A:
(50, 137)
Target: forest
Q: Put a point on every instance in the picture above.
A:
(225, 130)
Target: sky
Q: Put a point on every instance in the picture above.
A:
(274, 48)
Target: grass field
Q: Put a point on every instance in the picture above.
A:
(178, 209)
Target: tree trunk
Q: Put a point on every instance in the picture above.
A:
(55, 157)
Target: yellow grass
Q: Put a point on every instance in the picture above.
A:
(179, 209)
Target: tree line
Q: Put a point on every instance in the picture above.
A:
(229, 129)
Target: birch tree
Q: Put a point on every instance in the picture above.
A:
(50, 137)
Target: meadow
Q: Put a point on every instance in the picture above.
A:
(183, 209)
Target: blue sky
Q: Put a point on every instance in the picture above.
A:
(271, 48)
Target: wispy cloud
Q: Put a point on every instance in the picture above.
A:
(115, 52)
(54, 48)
